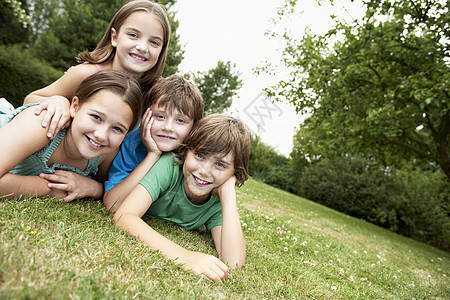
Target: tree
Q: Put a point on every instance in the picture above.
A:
(218, 86)
(380, 90)
(15, 23)
(75, 25)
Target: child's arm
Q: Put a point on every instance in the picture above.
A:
(56, 98)
(228, 238)
(114, 197)
(21, 137)
(128, 218)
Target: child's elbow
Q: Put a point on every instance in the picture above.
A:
(118, 216)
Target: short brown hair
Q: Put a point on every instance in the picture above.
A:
(176, 92)
(219, 135)
(117, 82)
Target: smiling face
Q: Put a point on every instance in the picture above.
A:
(203, 173)
(169, 128)
(100, 124)
(138, 43)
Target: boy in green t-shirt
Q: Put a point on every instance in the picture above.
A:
(195, 187)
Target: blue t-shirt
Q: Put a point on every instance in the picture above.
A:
(132, 153)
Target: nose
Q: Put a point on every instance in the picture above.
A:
(204, 168)
(101, 133)
(142, 46)
(168, 125)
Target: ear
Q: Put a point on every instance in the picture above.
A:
(74, 106)
(113, 37)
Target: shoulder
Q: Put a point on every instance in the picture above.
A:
(26, 136)
(81, 71)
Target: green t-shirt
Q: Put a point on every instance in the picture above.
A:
(164, 183)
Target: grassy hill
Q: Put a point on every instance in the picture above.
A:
(295, 249)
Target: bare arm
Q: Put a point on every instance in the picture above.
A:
(56, 98)
(115, 196)
(228, 238)
(22, 137)
(128, 218)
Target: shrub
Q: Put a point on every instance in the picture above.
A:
(21, 73)
(272, 168)
(411, 203)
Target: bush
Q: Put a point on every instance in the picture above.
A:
(411, 203)
(421, 207)
(21, 73)
(272, 168)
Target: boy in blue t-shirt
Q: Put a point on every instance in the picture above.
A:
(173, 105)
(192, 188)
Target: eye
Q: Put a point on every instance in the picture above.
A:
(159, 116)
(221, 165)
(132, 35)
(118, 129)
(181, 120)
(96, 117)
(199, 156)
(155, 43)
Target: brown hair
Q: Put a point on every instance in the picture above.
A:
(105, 51)
(176, 92)
(117, 82)
(219, 135)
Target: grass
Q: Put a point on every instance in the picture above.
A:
(295, 249)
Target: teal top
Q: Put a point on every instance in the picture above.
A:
(164, 183)
(36, 163)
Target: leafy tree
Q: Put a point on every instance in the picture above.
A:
(218, 86)
(15, 23)
(380, 90)
(267, 165)
(70, 26)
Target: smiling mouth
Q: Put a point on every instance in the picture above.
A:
(138, 58)
(165, 137)
(200, 182)
(94, 144)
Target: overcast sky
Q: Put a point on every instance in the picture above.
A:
(234, 30)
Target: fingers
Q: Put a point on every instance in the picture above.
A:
(218, 274)
(214, 269)
(70, 197)
(57, 123)
(57, 115)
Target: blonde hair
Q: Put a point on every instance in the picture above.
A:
(176, 92)
(219, 135)
(105, 52)
(117, 82)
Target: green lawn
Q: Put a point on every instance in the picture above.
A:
(295, 249)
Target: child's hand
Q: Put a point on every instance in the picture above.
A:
(201, 263)
(228, 185)
(145, 134)
(72, 185)
(57, 114)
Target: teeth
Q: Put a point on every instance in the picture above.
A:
(95, 144)
(201, 181)
(139, 57)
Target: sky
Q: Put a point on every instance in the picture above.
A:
(234, 30)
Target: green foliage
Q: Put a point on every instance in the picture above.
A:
(14, 22)
(218, 86)
(411, 203)
(272, 168)
(380, 90)
(73, 27)
(17, 81)
(76, 25)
